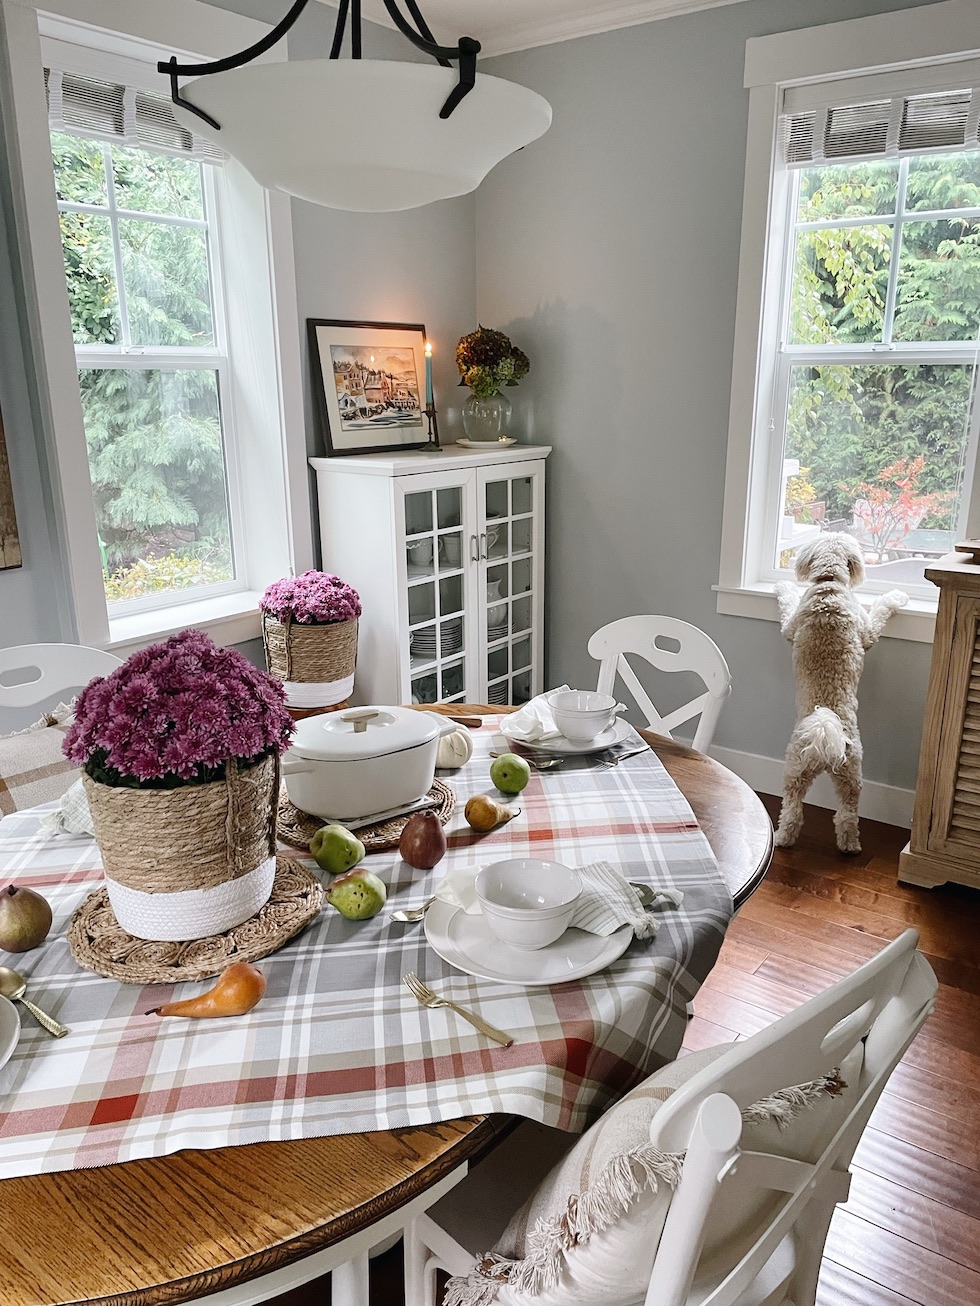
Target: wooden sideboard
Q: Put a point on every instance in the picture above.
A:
(945, 842)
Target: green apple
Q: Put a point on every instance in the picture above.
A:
(509, 773)
(335, 849)
(358, 896)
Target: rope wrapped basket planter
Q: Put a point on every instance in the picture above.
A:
(309, 632)
(191, 862)
(314, 663)
(180, 750)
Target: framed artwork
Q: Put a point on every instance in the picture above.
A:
(10, 555)
(371, 384)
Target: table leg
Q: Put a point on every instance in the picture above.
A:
(349, 1282)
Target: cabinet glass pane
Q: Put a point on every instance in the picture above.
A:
(498, 538)
(424, 689)
(419, 557)
(451, 637)
(450, 551)
(521, 535)
(496, 499)
(496, 583)
(520, 490)
(418, 512)
(498, 626)
(421, 603)
(499, 693)
(521, 575)
(449, 507)
(422, 645)
(451, 594)
(452, 680)
(521, 656)
(497, 664)
(521, 688)
(520, 615)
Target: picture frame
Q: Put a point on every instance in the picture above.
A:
(370, 382)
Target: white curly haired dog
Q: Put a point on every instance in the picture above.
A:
(830, 632)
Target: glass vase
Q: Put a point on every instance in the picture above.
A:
(486, 419)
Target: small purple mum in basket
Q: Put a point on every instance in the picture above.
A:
(174, 714)
(312, 598)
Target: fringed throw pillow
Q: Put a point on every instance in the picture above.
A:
(588, 1234)
(33, 768)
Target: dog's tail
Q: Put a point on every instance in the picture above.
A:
(821, 737)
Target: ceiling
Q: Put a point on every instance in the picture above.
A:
(505, 25)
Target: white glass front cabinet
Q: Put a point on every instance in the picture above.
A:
(447, 552)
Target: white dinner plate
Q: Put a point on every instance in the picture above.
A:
(468, 943)
(9, 1029)
(617, 733)
(503, 440)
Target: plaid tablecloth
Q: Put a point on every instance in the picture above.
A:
(338, 1044)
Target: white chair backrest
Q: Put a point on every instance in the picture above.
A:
(54, 668)
(695, 652)
(882, 1004)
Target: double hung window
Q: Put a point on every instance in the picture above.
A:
(137, 202)
(855, 391)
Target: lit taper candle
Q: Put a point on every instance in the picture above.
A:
(429, 401)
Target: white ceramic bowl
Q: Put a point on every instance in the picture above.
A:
(528, 903)
(581, 714)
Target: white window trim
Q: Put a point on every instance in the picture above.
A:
(930, 34)
(276, 493)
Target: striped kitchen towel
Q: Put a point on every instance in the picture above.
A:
(609, 901)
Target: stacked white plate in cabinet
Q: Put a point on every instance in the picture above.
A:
(424, 642)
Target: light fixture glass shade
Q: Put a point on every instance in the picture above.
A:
(363, 134)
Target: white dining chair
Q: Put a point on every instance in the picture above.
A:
(52, 670)
(742, 1227)
(668, 645)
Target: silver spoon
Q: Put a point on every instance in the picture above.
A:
(413, 914)
(13, 985)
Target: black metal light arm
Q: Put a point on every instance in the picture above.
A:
(420, 36)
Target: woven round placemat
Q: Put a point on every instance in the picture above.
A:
(297, 828)
(100, 944)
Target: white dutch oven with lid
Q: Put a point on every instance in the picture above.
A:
(346, 765)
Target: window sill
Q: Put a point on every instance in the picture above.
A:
(916, 622)
(228, 619)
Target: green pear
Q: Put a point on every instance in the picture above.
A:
(358, 895)
(509, 773)
(335, 849)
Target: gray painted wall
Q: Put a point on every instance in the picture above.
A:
(609, 251)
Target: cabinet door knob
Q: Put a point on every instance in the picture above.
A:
(474, 549)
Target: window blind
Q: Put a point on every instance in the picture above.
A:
(126, 115)
(882, 115)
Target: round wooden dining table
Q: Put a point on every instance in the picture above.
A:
(246, 1223)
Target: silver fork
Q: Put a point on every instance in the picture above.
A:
(429, 998)
(610, 762)
(538, 763)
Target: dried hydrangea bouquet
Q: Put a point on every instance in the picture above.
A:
(309, 629)
(486, 360)
(179, 749)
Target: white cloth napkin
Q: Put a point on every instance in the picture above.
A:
(607, 903)
(534, 722)
(72, 815)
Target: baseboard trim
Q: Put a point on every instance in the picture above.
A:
(879, 802)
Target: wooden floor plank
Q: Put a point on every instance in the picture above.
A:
(703, 1034)
(732, 1013)
(755, 989)
(839, 1286)
(961, 1102)
(919, 1219)
(933, 1131)
(944, 1181)
(886, 1258)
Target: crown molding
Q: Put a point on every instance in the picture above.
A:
(582, 18)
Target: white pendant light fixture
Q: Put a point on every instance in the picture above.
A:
(367, 135)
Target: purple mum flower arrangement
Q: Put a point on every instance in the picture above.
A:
(174, 714)
(314, 598)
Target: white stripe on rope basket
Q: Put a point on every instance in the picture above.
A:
(194, 913)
